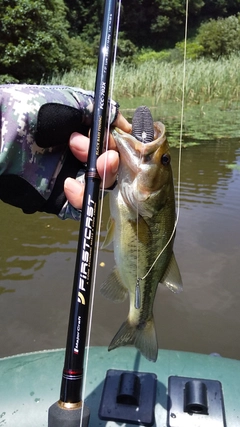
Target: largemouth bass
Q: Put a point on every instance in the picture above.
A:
(142, 207)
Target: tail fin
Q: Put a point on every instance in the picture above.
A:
(144, 338)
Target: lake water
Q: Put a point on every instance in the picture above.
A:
(37, 258)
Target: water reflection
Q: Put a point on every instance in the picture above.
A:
(29, 240)
(37, 258)
(22, 268)
(205, 178)
(3, 290)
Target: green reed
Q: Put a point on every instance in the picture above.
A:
(206, 80)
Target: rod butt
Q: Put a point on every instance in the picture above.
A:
(64, 415)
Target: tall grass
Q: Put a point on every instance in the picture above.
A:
(206, 80)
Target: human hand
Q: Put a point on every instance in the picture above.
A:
(79, 145)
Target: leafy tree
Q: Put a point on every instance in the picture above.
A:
(85, 17)
(74, 17)
(171, 16)
(220, 8)
(125, 48)
(159, 23)
(43, 37)
(33, 38)
(82, 54)
(220, 37)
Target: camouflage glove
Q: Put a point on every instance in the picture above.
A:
(35, 160)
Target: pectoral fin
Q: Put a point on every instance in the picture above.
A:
(110, 233)
(172, 277)
(113, 288)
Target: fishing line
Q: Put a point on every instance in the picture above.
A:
(182, 116)
(100, 214)
(137, 302)
(180, 148)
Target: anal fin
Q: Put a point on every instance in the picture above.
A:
(172, 277)
(113, 287)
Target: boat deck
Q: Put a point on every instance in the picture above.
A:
(30, 383)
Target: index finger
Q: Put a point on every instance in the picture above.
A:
(122, 123)
(79, 145)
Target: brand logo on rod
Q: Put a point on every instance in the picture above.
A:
(87, 244)
(85, 263)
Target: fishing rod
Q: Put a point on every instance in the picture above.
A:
(70, 408)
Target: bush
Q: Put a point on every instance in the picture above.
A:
(147, 55)
(125, 48)
(33, 38)
(193, 50)
(220, 37)
(6, 79)
(81, 54)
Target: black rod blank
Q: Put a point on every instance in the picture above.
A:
(78, 319)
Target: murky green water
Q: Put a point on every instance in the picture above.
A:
(37, 257)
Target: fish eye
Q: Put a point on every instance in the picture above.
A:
(166, 158)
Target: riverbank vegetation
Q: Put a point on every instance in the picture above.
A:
(211, 95)
(206, 80)
(42, 38)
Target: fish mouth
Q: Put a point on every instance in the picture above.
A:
(146, 135)
(145, 169)
(140, 147)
